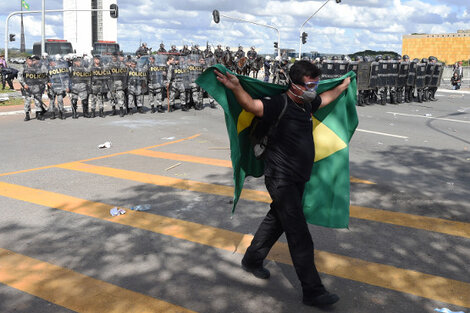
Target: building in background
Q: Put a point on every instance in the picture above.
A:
(83, 28)
(448, 48)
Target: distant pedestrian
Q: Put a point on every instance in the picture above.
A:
(456, 81)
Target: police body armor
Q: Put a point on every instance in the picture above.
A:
(59, 75)
(340, 68)
(157, 72)
(181, 72)
(80, 78)
(403, 71)
(328, 69)
(137, 83)
(35, 77)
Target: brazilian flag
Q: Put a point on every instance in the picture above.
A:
(326, 195)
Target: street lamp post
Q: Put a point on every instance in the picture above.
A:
(301, 27)
(217, 15)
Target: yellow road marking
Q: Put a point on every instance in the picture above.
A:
(73, 290)
(439, 225)
(206, 161)
(385, 276)
(104, 156)
(182, 157)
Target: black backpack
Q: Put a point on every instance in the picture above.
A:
(260, 132)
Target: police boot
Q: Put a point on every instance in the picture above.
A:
(152, 109)
(160, 109)
(53, 115)
(93, 113)
(61, 115)
(184, 107)
(121, 112)
(198, 106)
(212, 104)
(172, 108)
(114, 110)
(140, 110)
(74, 109)
(26, 117)
(101, 112)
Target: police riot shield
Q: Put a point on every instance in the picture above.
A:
(429, 71)
(394, 68)
(363, 75)
(157, 70)
(118, 71)
(80, 76)
(403, 70)
(411, 78)
(195, 66)
(137, 83)
(340, 68)
(420, 75)
(353, 66)
(382, 73)
(437, 75)
(59, 75)
(35, 76)
(182, 71)
(374, 75)
(100, 75)
(328, 69)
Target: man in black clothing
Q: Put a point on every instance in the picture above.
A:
(288, 163)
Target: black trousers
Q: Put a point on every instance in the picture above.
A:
(286, 215)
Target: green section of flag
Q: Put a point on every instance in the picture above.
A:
(326, 200)
(24, 4)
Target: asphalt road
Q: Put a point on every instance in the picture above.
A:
(407, 248)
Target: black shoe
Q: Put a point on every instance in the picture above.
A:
(160, 109)
(172, 108)
(121, 112)
(153, 109)
(259, 272)
(101, 112)
(93, 113)
(140, 110)
(114, 111)
(53, 116)
(61, 115)
(324, 299)
(26, 117)
(184, 108)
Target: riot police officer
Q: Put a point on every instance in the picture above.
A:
(80, 82)
(195, 49)
(173, 49)
(252, 54)
(157, 72)
(59, 82)
(185, 50)
(118, 84)
(240, 53)
(219, 54)
(99, 85)
(32, 77)
(162, 48)
(137, 84)
(177, 75)
(432, 90)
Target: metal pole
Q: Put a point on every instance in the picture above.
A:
(22, 45)
(259, 24)
(300, 31)
(43, 27)
(34, 12)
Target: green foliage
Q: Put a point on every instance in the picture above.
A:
(373, 53)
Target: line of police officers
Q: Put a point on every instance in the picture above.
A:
(387, 80)
(122, 80)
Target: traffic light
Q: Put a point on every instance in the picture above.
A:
(12, 37)
(216, 16)
(304, 37)
(275, 44)
(114, 10)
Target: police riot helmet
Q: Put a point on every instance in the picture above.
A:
(432, 58)
(173, 47)
(398, 58)
(388, 57)
(268, 58)
(334, 58)
(424, 60)
(359, 58)
(378, 58)
(252, 47)
(227, 48)
(416, 60)
(406, 57)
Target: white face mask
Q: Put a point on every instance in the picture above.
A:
(308, 95)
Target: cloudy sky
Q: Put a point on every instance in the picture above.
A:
(352, 25)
